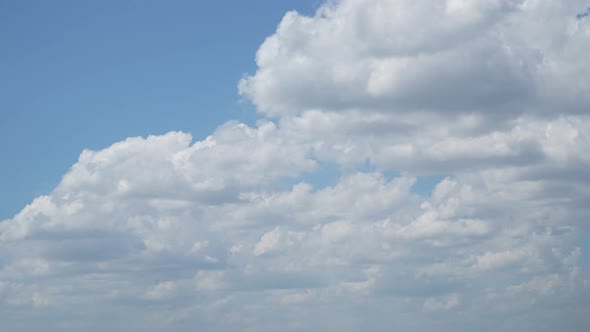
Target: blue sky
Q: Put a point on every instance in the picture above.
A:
(239, 166)
(79, 75)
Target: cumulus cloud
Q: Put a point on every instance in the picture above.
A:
(231, 232)
(494, 58)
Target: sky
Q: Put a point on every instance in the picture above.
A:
(295, 165)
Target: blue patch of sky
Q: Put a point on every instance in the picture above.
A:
(86, 74)
(390, 175)
(425, 184)
(369, 167)
(327, 174)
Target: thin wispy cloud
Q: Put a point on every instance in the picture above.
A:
(583, 14)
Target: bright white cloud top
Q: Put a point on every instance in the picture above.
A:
(225, 234)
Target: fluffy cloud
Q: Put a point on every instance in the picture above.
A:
(494, 58)
(234, 232)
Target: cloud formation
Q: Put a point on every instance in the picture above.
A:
(583, 14)
(229, 232)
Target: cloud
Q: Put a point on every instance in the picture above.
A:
(449, 302)
(224, 233)
(462, 57)
(583, 14)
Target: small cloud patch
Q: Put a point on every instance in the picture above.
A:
(583, 14)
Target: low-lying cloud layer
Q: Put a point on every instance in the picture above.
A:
(232, 232)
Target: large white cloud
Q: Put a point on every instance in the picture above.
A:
(498, 58)
(226, 233)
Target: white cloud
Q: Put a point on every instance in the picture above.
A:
(161, 290)
(209, 280)
(494, 260)
(357, 55)
(268, 242)
(446, 303)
